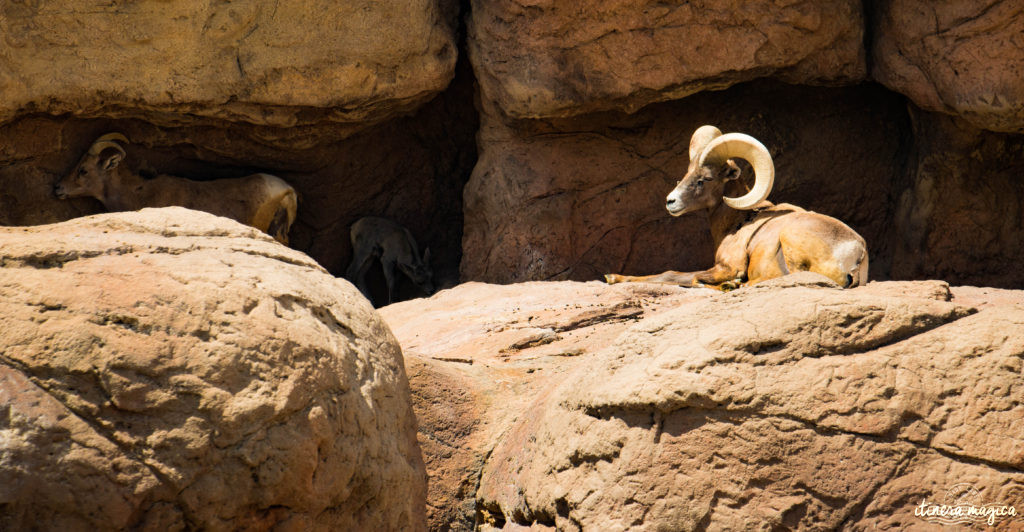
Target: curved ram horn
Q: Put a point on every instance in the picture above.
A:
(109, 141)
(700, 139)
(742, 146)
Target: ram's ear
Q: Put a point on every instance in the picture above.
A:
(731, 171)
(111, 162)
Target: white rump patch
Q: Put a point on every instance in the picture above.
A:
(849, 255)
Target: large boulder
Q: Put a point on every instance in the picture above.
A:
(168, 369)
(279, 63)
(541, 59)
(580, 197)
(964, 58)
(479, 354)
(790, 404)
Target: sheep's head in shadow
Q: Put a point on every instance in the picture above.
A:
(89, 177)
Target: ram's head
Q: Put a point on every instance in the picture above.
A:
(90, 175)
(711, 168)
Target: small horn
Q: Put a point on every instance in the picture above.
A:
(701, 137)
(109, 141)
(739, 145)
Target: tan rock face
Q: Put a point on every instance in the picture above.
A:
(263, 63)
(789, 404)
(479, 354)
(581, 197)
(963, 58)
(339, 176)
(960, 217)
(168, 369)
(539, 59)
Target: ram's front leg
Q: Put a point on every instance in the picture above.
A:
(717, 275)
(669, 277)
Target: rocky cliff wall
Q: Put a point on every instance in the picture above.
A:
(411, 169)
(565, 126)
(959, 58)
(520, 140)
(578, 197)
(567, 198)
(282, 63)
(551, 59)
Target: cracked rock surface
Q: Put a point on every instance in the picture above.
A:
(962, 58)
(280, 63)
(168, 369)
(545, 59)
(791, 404)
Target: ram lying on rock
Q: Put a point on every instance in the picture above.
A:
(754, 239)
(262, 201)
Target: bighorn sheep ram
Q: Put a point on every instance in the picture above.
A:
(394, 246)
(263, 201)
(754, 239)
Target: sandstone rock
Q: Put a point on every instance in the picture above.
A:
(339, 177)
(578, 198)
(279, 64)
(964, 58)
(981, 297)
(167, 369)
(789, 404)
(542, 59)
(473, 369)
(960, 217)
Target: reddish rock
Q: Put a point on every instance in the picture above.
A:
(477, 356)
(789, 404)
(542, 59)
(339, 176)
(960, 217)
(964, 58)
(581, 197)
(168, 369)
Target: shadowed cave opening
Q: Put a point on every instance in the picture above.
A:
(410, 169)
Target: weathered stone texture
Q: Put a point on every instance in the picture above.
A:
(168, 369)
(339, 176)
(964, 58)
(479, 354)
(960, 217)
(276, 63)
(547, 58)
(791, 404)
(580, 197)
